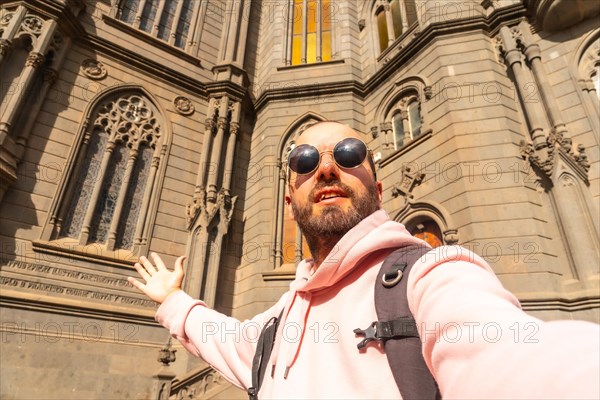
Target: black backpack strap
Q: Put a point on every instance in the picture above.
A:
(396, 326)
(264, 347)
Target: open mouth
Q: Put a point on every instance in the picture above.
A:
(329, 194)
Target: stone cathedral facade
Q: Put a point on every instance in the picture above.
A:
(137, 126)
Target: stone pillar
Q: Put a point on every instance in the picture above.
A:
(512, 54)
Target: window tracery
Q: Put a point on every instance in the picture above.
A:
(112, 175)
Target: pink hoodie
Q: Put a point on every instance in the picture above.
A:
(476, 340)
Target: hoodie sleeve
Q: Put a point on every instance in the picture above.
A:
(478, 343)
(225, 343)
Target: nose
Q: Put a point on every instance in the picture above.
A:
(328, 169)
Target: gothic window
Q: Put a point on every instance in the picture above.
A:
(291, 247)
(587, 72)
(294, 248)
(311, 31)
(393, 18)
(168, 20)
(428, 231)
(107, 197)
(406, 121)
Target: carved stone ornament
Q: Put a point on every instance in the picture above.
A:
(409, 180)
(6, 18)
(32, 24)
(375, 132)
(4, 47)
(183, 105)
(94, 69)
(34, 60)
(451, 236)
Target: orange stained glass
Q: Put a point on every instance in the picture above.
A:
(297, 17)
(397, 18)
(289, 246)
(382, 30)
(428, 231)
(326, 46)
(326, 15)
(311, 48)
(297, 50)
(311, 16)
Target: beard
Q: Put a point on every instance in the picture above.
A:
(333, 223)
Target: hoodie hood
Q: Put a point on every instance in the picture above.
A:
(373, 234)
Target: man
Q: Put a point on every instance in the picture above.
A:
(453, 294)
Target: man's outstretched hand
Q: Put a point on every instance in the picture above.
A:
(160, 282)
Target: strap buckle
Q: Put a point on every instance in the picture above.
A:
(370, 333)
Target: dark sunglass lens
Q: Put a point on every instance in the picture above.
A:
(304, 159)
(350, 153)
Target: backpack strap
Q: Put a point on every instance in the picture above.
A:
(397, 328)
(264, 348)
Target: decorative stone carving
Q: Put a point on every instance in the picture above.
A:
(226, 205)
(375, 132)
(183, 105)
(428, 92)
(410, 179)
(582, 158)
(94, 69)
(197, 205)
(5, 46)
(6, 18)
(32, 24)
(361, 24)
(166, 355)
(34, 60)
(450, 236)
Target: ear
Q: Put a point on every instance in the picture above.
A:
(379, 191)
(288, 203)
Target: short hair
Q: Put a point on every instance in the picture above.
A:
(369, 152)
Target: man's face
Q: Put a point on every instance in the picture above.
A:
(331, 200)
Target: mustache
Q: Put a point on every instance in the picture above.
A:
(330, 184)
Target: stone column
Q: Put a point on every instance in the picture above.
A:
(512, 54)
(215, 160)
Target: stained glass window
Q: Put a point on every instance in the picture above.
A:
(414, 115)
(311, 31)
(114, 173)
(168, 20)
(428, 231)
(393, 18)
(398, 126)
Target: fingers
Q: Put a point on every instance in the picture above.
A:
(134, 282)
(145, 268)
(179, 264)
(157, 260)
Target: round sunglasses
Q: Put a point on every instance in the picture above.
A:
(347, 153)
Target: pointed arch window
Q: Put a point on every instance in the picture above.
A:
(310, 26)
(393, 18)
(291, 246)
(407, 121)
(112, 176)
(168, 20)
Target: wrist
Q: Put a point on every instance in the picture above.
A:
(169, 293)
